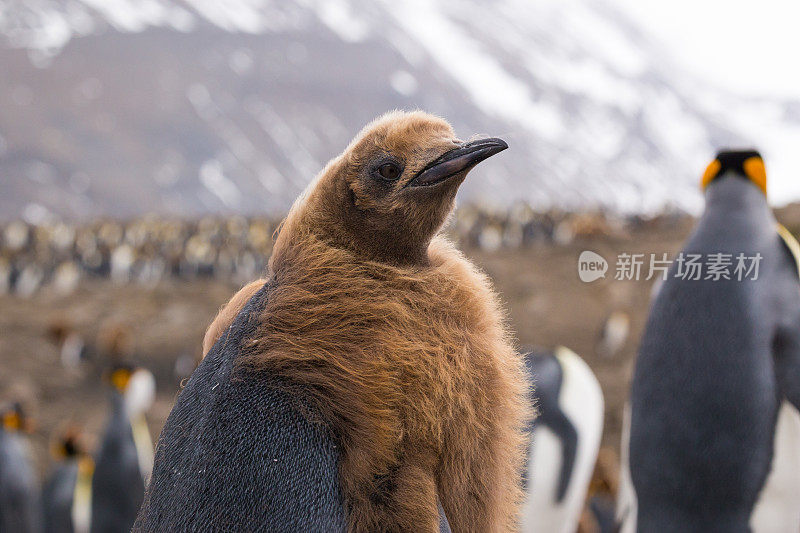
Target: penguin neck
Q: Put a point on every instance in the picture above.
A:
(731, 194)
(139, 432)
(119, 406)
(318, 239)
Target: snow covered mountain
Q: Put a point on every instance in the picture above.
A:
(119, 107)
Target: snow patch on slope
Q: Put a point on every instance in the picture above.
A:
(492, 88)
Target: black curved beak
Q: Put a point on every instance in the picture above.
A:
(457, 160)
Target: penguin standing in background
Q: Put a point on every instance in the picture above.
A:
(125, 458)
(599, 515)
(614, 334)
(67, 494)
(718, 361)
(370, 383)
(564, 441)
(72, 347)
(19, 493)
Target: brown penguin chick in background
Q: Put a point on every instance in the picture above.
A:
(395, 338)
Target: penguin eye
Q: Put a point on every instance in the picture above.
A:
(389, 171)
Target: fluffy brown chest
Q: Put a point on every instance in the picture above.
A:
(410, 347)
(413, 372)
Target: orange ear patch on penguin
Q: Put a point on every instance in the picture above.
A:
(755, 170)
(11, 421)
(120, 377)
(745, 163)
(712, 171)
(13, 418)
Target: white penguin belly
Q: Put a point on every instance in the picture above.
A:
(581, 399)
(778, 507)
(82, 497)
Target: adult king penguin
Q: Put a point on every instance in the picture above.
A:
(67, 495)
(19, 492)
(717, 360)
(564, 441)
(369, 378)
(124, 461)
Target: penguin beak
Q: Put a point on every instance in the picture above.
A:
(457, 160)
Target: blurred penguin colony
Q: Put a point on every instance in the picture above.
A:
(711, 431)
(152, 248)
(101, 490)
(84, 490)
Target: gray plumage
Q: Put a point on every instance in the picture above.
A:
(716, 359)
(57, 497)
(117, 484)
(19, 493)
(238, 453)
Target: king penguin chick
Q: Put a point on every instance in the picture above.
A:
(19, 493)
(376, 331)
(67, 494)
(125, 458)
(718, 357)
(565, 439)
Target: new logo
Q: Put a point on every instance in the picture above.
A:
(591, 266)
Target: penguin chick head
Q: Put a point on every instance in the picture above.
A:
(391, 190)
(746, 164)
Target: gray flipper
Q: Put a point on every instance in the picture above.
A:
(546, 370)
(786, 343)
(19, 495)
(786, 349)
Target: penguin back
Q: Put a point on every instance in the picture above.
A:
(238, 451)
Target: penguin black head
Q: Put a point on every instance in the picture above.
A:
(14, 419)
(391, 190)
(747, 164)
(68, 445)
(119, 376)
(137, 386)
